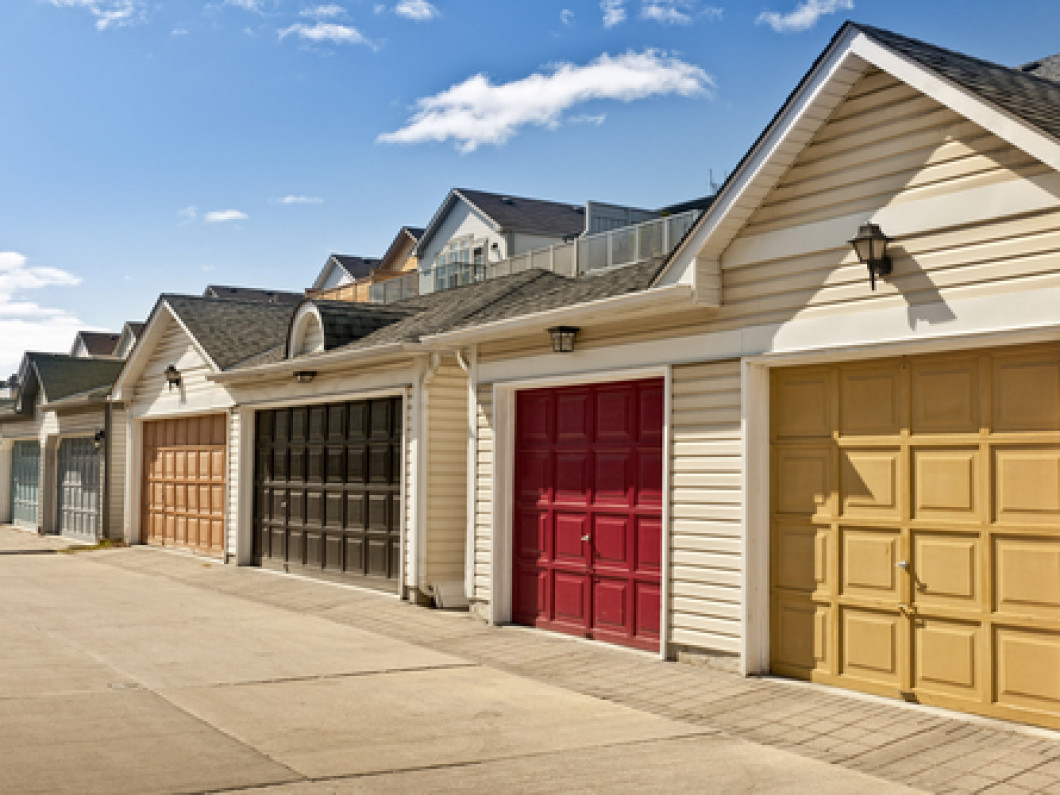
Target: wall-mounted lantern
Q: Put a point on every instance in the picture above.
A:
(305, 376)
(870, 244)
(563, 338)
(172, 376)
(97, 440)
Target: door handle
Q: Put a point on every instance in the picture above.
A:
(902, 564)
(587, 538)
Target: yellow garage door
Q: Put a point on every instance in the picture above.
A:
(915, 540)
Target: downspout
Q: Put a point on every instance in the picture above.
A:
(470, 367)
(420, 574)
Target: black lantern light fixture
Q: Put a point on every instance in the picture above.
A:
(563, 338)
(172, 376)
(97, 440)
(870, 244)
(304, 376)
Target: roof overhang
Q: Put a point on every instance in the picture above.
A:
(821, 90)
(329, 361)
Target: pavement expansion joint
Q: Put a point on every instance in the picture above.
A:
(283, 680)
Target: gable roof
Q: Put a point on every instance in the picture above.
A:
(353, 266)
(1017, 106)
(256, 294)
(510, 213)
(61, 376)
(1049, 68)
(405, 235)
(231, 331)
(136, 327)
(97, 343)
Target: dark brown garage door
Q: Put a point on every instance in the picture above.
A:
(327, 490)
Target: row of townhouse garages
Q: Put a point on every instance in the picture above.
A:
(741, 449)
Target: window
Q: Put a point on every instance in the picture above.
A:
(461, 262)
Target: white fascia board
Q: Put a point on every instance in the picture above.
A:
(1005, 125)
(818, 94)
(333, 360)
(652, 298)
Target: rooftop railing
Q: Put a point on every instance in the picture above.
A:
(628, 245)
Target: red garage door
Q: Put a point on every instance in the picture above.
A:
(588, 511)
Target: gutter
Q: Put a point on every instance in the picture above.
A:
(336, 357)
(655, 297)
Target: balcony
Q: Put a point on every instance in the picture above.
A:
(628, 245)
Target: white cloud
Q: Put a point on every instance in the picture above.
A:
(677, 12)
(478, 112)
(804, 16)
(323, 12)
(419, 10)
(328, 32)
(379, 8)
(291, 199)
(108, 13)
(588, 118)
(247, 5)
(26, 324)
(179, 32)
(189, 213)
(614, 12)
(566, 16)
(223, 216)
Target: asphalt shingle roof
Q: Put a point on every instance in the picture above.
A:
(357, 267)
(345, 321)
(528, 215)
(253, 294)
(1034, 99)
(98, 343)
(62, 376)
(231, 331)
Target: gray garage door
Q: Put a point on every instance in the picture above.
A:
(25, 476)
(79, 488)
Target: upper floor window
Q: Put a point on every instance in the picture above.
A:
(461, 262)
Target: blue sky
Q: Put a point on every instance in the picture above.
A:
(152, 146)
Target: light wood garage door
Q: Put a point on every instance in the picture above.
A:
(184, 483)
(916, 529)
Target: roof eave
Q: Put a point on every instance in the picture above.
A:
(328, 360)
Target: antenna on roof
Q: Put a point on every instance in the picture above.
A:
(713, 185)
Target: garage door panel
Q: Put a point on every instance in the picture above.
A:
(802, 404)
(649, 483)
(868, 483)
(803, 478)
(570, 599)
(867, 563)
(946, 658)
(648, 541)
(532, 529)
(647, 611)
(869, 645)
(946, 570)
(334, 463)
(1027, 576)
(314, 508)
(945, 484)
(800, 555)
(945, 395)
(1027, 392)
(1027, 484)
(573, 473)
(614, 415)
(651, 406)
(333, 551)
(333, 510)
(1027, 670)
(574, 418)
(796, 642)
(533, 476)
(568, 531)
(613, 478)
(612, 541)
(870, 401)
(612, 600)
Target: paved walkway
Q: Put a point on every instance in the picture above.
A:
(902, 744)
(17, 540)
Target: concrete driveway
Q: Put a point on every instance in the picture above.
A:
(114, 681)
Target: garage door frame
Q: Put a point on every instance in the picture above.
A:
(503, 479)
(247, 451)
(755, 379)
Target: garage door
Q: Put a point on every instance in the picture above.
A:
(587, 520)
(328, 490)
(916, 529)
(79, 485)
(25, 477)
(184, 483)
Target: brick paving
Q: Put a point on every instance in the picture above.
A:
(901, 743)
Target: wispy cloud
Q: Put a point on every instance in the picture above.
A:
(478, 112)
(419, 10)
(108, 13)
(188, 214)
(595, 119)
(22, 320)
(678, 12)
(291, 199)
(614, 12)
(224, 216)
(257, 6)
(326, 33)
(179, 32)
(804, 16)
(566, 16)
(329, 11)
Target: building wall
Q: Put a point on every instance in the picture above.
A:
(446, 487)
(462, 222)
(484, 495)
(116, 465)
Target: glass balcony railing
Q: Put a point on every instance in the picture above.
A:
(628, 245)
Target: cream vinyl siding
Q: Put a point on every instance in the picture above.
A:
(154, 396)
(484, 493)
(886, 145)
(116, 463)
(705, 500)
(446, 505)
(84, 423)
